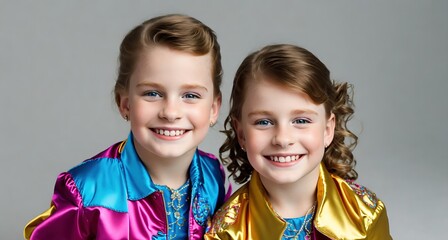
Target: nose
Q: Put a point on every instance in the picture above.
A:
(170, 110)
(283, 137)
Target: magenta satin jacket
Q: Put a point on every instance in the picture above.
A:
(112, 196)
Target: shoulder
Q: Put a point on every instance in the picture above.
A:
(229, 212)
(368, 197)
(207, 155)
(373, 211)
(209, 163)
(208, 158)
(377, 223)
(100, 182)
(364, 213)
(362, 200)
(350, 189)
(96, 169)
(65, 189)
(107, 161)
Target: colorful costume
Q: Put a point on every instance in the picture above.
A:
(112, 196)
(344, 210)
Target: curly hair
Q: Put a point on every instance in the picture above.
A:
(175, 31)
(298, 69)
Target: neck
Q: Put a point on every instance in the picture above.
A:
(172, 172)
(173, 176)
(294, 199)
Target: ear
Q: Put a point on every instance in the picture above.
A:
(124, 105)
(214, 111)
(239, 133)
(329, 130)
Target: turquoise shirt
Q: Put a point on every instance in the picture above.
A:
(177, 203)
(298, 228)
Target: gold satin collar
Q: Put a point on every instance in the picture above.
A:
(340, 213)
(266, 224)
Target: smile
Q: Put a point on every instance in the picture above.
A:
(283, 159)
(169, 133)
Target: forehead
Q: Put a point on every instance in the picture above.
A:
(163, 63)
(263, 94)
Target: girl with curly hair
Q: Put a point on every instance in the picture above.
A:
(287, 135)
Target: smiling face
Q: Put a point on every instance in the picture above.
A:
(283, 132)
(170, 103)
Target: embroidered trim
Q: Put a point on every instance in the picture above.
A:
(176, 206)
(201, 210)
(160, 236)
(225, 217)
(367, 196)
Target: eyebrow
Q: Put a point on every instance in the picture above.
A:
(147, 84)
(255, 113)
(294, 112)
(185, 86)
(194, 86)
(305, 111)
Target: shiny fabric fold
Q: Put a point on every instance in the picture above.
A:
(112, 196)
(345, 210)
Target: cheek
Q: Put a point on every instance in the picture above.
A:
(200, 115)
(256, 140)
(141, 112)
(314, 141)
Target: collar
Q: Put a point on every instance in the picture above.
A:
(138, 181)
(262, 213)
(340, 213)
(337, 214)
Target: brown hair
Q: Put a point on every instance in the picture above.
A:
(296, 68)
(175, 31)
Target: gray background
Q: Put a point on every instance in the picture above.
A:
(58, 66)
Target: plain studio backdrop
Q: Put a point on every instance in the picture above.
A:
(58, 62)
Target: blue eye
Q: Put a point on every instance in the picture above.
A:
(191, 95)
(152, 94)
(263, 122)
(301, 121)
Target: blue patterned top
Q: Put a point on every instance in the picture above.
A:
(177, 203)
(296, 229)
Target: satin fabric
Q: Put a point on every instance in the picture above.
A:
(112, 196)
(345, 210)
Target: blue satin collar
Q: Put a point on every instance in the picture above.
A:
(139, 182)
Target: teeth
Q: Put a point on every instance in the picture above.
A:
(283, 159)
(169, 133)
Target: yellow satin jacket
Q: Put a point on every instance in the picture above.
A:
(345, 210)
